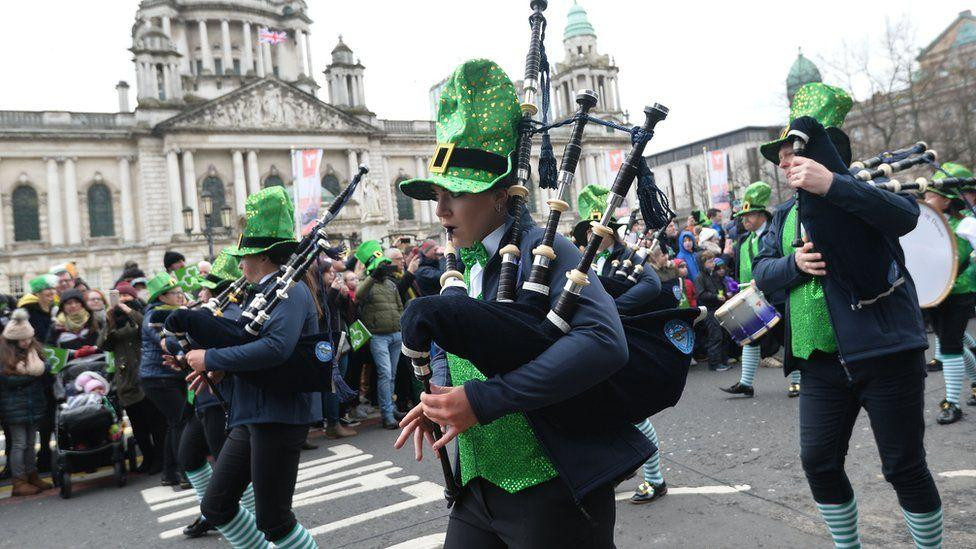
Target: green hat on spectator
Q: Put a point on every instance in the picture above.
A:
(756, 199)
(160, 284)
(370, 254)
(43, 282)
(590, 204)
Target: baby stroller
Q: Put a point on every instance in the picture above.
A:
(90, 432)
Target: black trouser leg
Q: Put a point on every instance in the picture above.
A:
(45, 428)
(140, 416)
(716, 341)
(193, 449)
(231, 475)
(169, 396)
(214, 428)
(488, 517)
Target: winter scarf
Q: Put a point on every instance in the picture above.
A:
(74, 322)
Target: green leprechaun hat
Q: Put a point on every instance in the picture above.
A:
(270, 224)
(370, 254)
(477, 131)
(829, 105)
(160, 284)
(590, 204)
(756, 199)
(953, 170)
(225, 269)
(43, 282)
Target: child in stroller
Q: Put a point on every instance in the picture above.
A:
(88, 425)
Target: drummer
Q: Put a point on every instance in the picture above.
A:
(950, 317)
(755, 217)
(855, 350)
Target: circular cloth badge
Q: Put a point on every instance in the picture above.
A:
(323, 351)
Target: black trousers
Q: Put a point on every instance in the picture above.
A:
(149, 430)
(169, 397)
(203, 436)
(488, 517)
(891, 389)
(716, 340)
(949, 321)
(266, 455)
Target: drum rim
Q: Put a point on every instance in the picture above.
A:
(955, 258)
(740, 296)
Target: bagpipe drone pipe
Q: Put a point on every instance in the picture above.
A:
(659, 342)
(310, 366)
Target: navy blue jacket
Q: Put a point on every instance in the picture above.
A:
(151, 354)
(205, 399)
(292, 318)
(428, 275)
(585, 457)
(890, 325)
(639, 295)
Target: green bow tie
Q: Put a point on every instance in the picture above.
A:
(605, 254)
(477, 253)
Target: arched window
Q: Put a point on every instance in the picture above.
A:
(213, 185)
(100, 219)
(272, 180)
(330, 184)
(404, 202)
(26, 223)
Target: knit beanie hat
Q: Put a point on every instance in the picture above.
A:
(171, 257)
(19, 326)
(68, 295)
(126, 288)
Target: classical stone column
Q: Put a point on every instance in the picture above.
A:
(175, 194)
(184, 49)
(253, 175)
(259, 60)
(247, 57)
(591, 173)
(72, 216)
(225, 42)
(353, 164)
(616, 94)
(190, 188)
(127, 203)
(166, 27)
(208, 62)
(301, 49)
(266, 53)
(240, 185)
(168, 82)
(153, 81)
(361, 90)
(308, 53)
(284, 71)
(425, 209)
(54, 219)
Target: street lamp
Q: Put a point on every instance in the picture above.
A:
(188, 220)
(225, 213)
(206, 205)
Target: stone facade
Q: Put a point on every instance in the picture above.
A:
(217, 109)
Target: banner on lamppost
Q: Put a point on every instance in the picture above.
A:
(717, 172)
(308, 187)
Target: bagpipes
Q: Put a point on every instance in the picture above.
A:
(922, 184)
(302, 371)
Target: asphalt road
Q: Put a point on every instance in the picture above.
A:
(732, 466)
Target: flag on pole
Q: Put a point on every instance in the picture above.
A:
(188, 278)
(56, 357)
(358, 335)
(268, 36)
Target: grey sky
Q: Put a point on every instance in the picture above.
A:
(717, 64)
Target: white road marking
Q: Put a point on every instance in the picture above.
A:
(684, 490)
(422, 493)
(364, 483)
(433, 541)
(960, 473)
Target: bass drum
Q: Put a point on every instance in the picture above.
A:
(931, 256)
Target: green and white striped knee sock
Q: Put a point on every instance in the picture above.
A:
(242, 532)
(298, 538)
(926, 528)
(953, 371)
(200, 479)
(841, 519)
(970, 362)
(968, 341)
(795, 377)
(938, 349)
(652, 467)
(750, 361)
(247, 498)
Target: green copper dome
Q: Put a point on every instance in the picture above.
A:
(802, 72)
(577, 23)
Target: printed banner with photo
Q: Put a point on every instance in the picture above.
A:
(718, 179)
(308, 187)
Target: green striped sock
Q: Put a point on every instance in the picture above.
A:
(953, 371)
(247, 498)
(750, 361)
(200, 479)
(652, 467)
(968, 341)
(970, 361)
(841, 519)
(795, 377)
(298, 538)
(926, 528)
(242, 532)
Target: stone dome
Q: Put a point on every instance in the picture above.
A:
(802, 72)
(577, 24)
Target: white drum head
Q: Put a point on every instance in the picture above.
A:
(931, 256)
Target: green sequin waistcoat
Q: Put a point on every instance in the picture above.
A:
(810, 326)
(505, 452)
(965, 283)
(748, 250)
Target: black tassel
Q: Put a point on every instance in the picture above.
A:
(547, 164)
(654, 206)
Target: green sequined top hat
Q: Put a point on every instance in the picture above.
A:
(370, 254)
(225, 269)
(477, 131)
(829, 105)
(756, 199)
(590, 203)
(43, 282)
(270, 224)
(954, 170)
(160, 284)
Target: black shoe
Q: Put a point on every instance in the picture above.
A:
(948, 413)
(739, 389)
(398, 415)
(391, 425)
(934, 365)
(185, 482)
(348, 422)
(199, 527)
(793, 390)
(970, 402)
(647, 492)
(719, 367)
(309, 446)
(169, 481)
